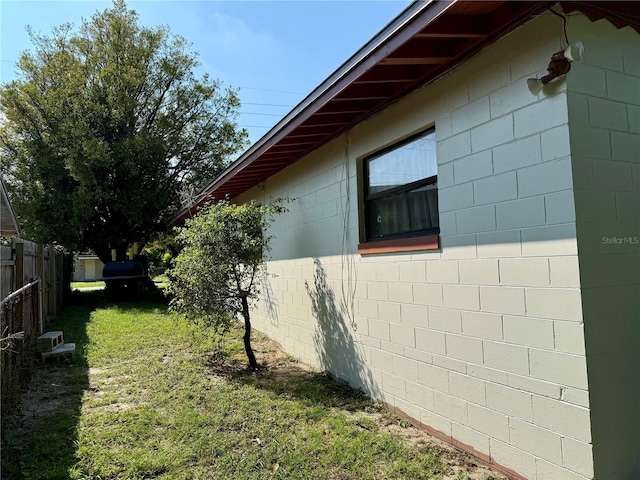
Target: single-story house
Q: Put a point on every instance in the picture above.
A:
(87, 268)
(463, 243)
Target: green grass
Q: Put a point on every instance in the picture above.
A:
(147, 398)
(80, 285)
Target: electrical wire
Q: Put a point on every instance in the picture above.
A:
(564, 27)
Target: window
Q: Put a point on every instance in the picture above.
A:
(401, 190)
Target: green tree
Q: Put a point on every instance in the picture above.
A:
(106, 127)
(216, 276)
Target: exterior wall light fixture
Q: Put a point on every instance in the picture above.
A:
(559, 65)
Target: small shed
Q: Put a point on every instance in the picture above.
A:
(88, 268)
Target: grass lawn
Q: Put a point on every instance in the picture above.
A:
(82, 285)
(147, 398)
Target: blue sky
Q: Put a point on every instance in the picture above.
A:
(275, 52)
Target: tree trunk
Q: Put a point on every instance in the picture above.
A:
(253, 364)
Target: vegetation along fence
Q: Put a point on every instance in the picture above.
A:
(31, 290)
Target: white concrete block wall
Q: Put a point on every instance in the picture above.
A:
(604, 100)
(481, 341)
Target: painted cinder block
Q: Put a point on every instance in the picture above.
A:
(533, 332)
(556, 367)
(378, 290)
(427, 294)
(476, 219)
(458, 247)
(590, 142)
(469, 436)
(540, 116)
(464, 297)
(506, 357)
(494, 189)
(416, 315)
(419, 395)
(499, 244)
(445, 319)
(379, 329)
(471, 114)
(502, 299)
(367, 308)
(569, 337)
(456, 197)
(490, 79)
(411, 272)
(450, 407)
(450, 363)
(381, 360)
(464, 348)
(554, 303)
(444, 271)
(400, 292)
(486, 373)
(550, 471)
(622, 87)
(393, 384)
(577, 456)
(554, 143)
(524, 272)
(482, 325)
(431, 341)
(433, 377)
(522, 213)
(613, 175)
(493, 133)
(467, 388)
(509, 401)
(549, 240)
(454, 147)
(559, 207)
(437, 422)
(517, 154)
(406, 368)
(445, 175)
(523, 462)
(561, 417)
(389, 312)
(403, 335)
(587, 79)
(539, 441)
(479, 272)
(489, 421)
(470, 168)
(547, 177)
(608, 114)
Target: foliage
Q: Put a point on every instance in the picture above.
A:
(107, 127)
(161, 250)
(217, 274)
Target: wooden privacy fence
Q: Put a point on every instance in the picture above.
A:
(31, 290)
(25, 261)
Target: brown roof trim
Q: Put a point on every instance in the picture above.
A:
(423, 43)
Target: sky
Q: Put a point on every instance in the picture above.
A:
(274, 52)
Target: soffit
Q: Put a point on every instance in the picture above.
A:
(423, 43)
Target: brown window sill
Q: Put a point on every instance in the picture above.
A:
(409, 244)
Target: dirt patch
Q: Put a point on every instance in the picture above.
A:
(279, 366)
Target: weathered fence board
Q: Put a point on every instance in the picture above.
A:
(31, 290)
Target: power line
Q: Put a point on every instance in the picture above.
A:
(267, 104)
(269, 90)
(265, 114)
